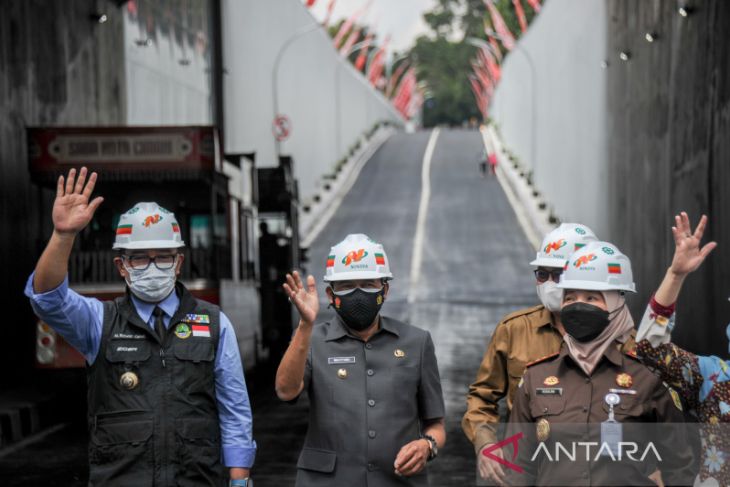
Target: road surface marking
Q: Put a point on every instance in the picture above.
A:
(417, 254)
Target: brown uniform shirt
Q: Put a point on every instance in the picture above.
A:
(556, 391)
(520, 338)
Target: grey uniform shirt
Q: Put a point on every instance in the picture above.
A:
(367, 400)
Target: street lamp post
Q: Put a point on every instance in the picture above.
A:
(344, 61)
(533, 73)
(275, 72)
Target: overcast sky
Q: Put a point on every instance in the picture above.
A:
(402, 19)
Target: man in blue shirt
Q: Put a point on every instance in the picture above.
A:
(167, 398)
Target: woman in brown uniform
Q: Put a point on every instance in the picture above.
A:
(586, 401)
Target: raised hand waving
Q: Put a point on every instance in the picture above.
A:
(688, 254)
(72, 210)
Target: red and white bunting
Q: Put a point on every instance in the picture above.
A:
(375, 70)
(506, 37)
(487, 59)
(351, 40)
(403, 97)
(535, 4)
(328, 17)
(520, 15)
(346, 26)
(363, 56)
(394, 78)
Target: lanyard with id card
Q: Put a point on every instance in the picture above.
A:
(611, 430)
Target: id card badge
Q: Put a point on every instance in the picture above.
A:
(611, 435)
(611, 430)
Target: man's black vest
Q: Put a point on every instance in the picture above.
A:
(153, 418)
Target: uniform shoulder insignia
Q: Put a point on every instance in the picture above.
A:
(542, 359)
(521, 312)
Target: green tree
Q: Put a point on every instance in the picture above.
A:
(443, 65)
(443, 58)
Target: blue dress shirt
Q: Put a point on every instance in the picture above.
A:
(79, 319)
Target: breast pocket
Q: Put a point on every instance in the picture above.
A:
(628, 409)
(194, 364)
(515, 371)
(126, 356)
(546, 405)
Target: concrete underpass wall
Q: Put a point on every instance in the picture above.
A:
(552, 117)
(622, 149)
(329, 105)
(669, 132)
(56, 68)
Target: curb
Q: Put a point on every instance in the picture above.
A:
(535, 221)
(312, 222)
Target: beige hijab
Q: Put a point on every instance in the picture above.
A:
(588, 354)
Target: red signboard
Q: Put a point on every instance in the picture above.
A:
(123, 148)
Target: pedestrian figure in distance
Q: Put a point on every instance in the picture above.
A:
(493, 163)
(483, 160)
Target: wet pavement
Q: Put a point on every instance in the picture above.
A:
(474, 271)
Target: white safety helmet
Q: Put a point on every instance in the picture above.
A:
(599, 266)
(357, 257)
(559, 244)
(148, 226)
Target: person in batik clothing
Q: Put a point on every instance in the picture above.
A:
(703, 381)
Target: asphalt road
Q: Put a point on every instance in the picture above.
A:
(473, 271)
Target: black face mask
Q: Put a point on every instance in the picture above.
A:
(359, 308)
(584, 322)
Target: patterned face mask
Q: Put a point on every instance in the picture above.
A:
(358, 308)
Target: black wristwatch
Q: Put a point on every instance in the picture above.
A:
(433, 447)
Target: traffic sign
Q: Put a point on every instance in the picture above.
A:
(282, 127)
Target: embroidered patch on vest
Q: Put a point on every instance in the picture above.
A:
(182, 330)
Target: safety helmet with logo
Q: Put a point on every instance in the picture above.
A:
(357, 257)
(148, 226)
(599, 266)
(559, 244)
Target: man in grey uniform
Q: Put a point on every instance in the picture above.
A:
(376, 407)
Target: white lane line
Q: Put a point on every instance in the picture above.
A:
(417, 254)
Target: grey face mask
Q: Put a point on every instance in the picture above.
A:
(152, 284)
(550, 295)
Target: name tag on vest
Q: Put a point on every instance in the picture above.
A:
(549, 391)
(340, 360)
(128, 336)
